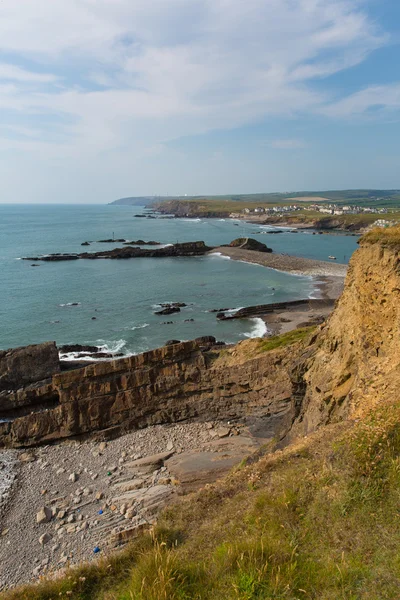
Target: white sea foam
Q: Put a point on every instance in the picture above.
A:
(259, 329)
(191, 220)
(114, 347)
(140, 326)
(70, 304)
(220, 255)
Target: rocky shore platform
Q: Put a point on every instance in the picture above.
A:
(173, 250)
(77, 501)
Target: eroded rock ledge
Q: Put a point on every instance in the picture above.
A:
(180, 382)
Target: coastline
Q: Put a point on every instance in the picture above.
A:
(296, 265)
(327, 278)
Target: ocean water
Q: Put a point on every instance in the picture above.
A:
(122, 295)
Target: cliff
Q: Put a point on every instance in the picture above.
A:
(355, 357)
(174, 383)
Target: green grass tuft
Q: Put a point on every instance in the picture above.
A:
(280, 341)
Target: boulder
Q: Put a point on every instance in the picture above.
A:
(172, 342)
(21, 366)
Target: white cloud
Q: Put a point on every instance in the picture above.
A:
(372, 100)
(119, 77)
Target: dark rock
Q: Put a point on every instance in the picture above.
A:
(205, 340)
(33, 265)
(189, 321)
(249, 244)
(23, 366)
(168, 311)
(218, 310)
(172, 342)
(94, 318)
(85, 244)
(143, 243)
(183, 249)
(173, 305)
(167, 323)
(78, 348)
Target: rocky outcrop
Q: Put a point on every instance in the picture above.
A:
(250, 244)
(22, 366)
(174, 383)
(263, 309)
(183, 249)
(355, 359)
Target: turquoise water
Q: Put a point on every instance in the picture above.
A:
(123, 294)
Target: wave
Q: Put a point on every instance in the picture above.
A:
(70, 304)
(259, 329)
(191, 220)
(114, 347)
(220, 255)
(140, 326)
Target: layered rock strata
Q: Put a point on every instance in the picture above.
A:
(173, 383)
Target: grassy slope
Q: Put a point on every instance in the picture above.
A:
(317, 520)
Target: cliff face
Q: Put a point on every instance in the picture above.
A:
(355, 363)
(170, 384)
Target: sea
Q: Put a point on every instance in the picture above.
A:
(112, 303)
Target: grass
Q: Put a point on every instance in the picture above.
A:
(319, 520)
(389, 237)
(285, 339)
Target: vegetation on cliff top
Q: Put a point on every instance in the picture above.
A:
(316, 520)
(285, 339)
(389, 237)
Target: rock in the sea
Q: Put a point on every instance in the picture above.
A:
(249, 244)
(172, 342)
(67, 348)
(168, 311)
(85, 244)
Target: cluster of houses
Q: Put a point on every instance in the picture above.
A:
(329, 209)
(334, 209)
(272, 210)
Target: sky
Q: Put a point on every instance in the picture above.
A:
(102, 99)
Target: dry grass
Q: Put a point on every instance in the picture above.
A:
(319, 520)
(389, 237)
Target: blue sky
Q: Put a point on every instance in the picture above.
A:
(101, 99)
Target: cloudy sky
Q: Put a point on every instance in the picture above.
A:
(101, 99)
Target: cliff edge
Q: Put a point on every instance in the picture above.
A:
(354, 362)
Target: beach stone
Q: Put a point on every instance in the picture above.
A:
(102, 446)
(27, 457)
(223, 432)
(46, 537)
(44, 515)
(73, 477)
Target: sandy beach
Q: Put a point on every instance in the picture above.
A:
(328, 282)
